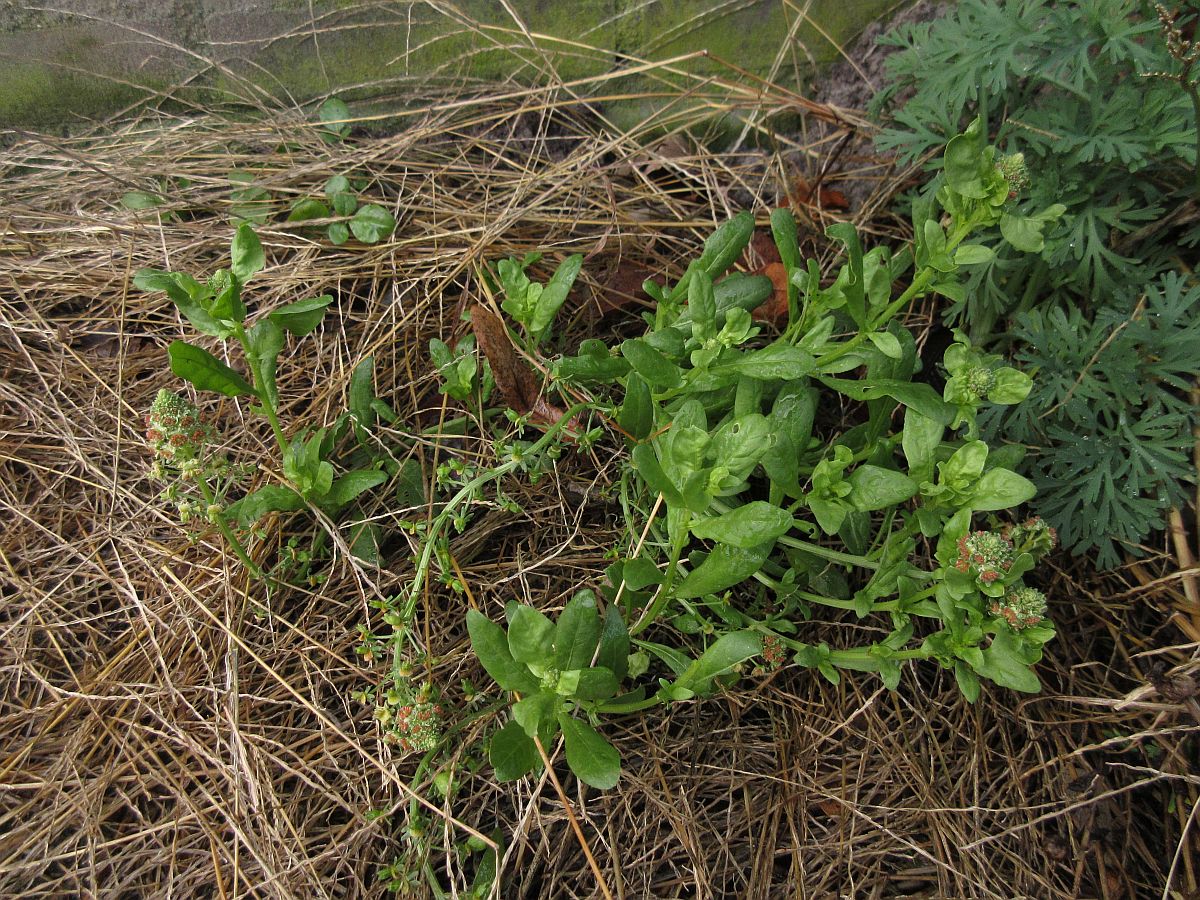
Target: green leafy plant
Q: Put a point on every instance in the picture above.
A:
(1111, 384)
(743, 516)
(369, 223)
(534, 305)
(216, 308)
(569, 672)
(334, 116)
(1102, 97)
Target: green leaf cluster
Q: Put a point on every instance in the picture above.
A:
(734, 484)
(564, 672)
(368, 223)
(1104, 113)
(530, 304)
(216, 308)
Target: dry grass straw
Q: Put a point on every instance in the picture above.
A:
(167, 731)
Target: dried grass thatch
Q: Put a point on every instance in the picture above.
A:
(167, 731)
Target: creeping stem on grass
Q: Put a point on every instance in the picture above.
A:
(440, 520)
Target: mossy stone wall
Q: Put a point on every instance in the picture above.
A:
(98, 56)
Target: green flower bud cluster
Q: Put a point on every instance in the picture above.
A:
(413, 721)
(1021, 608)
(979, 380)
(985, 555)
(1015, 172)
(175, 431)
(774, 654)
(1033, 536)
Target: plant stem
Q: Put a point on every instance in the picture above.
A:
(663, 595)
(826, 553)
(260, 388)
(227, 532)
(439, 521)
(911, 605)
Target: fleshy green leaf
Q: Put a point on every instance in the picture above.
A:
(1011, 386)
(614, 644)
(205, 371)
(534, 709)
(491, 646)
(265, 341)
(268, 499)
(333, 114)
(1007, 663)
(636, 416)
(246, 253)
(346, 487)
(746, 526)
(656, 369)
(724, 567)
(174, 285)
(554, 294)
(531, 636)
(918, 396)
(513, 753)
(308, 208)
(651, 470)
(136, 200)
(726, 652)
(576, 632)
(596, 683)
(1001, 489)
(303, 316)
(593, 759)
(920, 439)
(372, 224)
(873, 487)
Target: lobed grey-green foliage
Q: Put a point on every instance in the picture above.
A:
(1103, 112)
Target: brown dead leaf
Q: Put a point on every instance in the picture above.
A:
(621, 290)
(830, 807)
(516, 382)
(806, 194)
(761, 251)
(775, 309)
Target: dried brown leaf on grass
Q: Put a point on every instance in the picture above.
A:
(172, 735)
(513, 376)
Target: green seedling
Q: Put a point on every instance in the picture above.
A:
(369, 223)
(216, 308)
